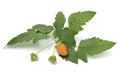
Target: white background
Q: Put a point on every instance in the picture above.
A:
(18, 15)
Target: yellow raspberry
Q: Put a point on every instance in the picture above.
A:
(61, 49)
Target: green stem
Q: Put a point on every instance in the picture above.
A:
(44, 48)
(54, 51)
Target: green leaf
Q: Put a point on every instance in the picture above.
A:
(38, 32)
(93, 46)
(81, 54)
(71, 55)
(78, 19)
(55, 34)
(27, 36)
(39, 36)
(24, 37)
(59, 20)
(40, 28)
(66, 37)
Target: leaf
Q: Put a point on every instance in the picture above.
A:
(66, 37)
(24, 37)
(55, 34)
(27, 36)
(38, 32)
(78, 19)
(71, 55)
(81, 54)
(59, 20)
(93, 46)
(39, 36)
(43, 28)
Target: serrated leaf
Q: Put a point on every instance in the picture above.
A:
(82, 54)
(66, 37)
(24, 37)
(55, 34)
(71, 55)
(78, 19)
(40, 28)
(59, 20)
(93, 46)
(27, 36)
(40, 36)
